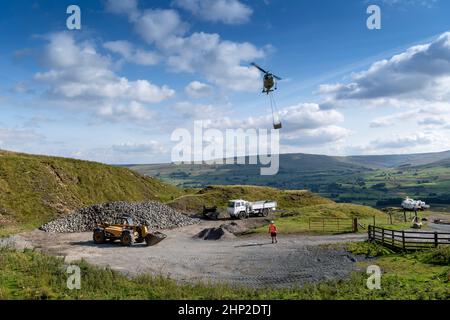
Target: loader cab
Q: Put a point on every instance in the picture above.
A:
(125, 220)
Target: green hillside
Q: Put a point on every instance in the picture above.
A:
(220, 195)
(36, 189)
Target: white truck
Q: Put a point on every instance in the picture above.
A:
(241, 209)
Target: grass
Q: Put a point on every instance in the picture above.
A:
(36, 189)
(297, 220)
(32, 275)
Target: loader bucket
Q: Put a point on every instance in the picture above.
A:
(154, 238)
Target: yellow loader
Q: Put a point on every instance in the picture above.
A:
(127, 232)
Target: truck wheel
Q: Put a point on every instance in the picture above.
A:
(126, 238)
(242, 215)
(99, 236)
(265, 212)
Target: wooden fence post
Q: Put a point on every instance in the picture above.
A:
(382, 236)
(393, 238)
(368, 233)
(355, 225)
(403, 240)
(436, 239)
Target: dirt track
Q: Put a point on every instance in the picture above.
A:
(248, 261)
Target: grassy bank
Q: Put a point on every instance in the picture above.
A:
(36, 189)
(297, 220)
(31, 275)
(218, 195)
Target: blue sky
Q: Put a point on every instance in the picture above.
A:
(115, 90)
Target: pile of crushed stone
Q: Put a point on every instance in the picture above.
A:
(220, 233)
(153, 214)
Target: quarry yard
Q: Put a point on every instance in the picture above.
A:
(249, 260)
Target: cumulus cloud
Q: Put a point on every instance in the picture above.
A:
(399, 142)
(221, 62)
(391, 120)
(422, 71)
(128, 7)
(197, 89)
(130, 54)
(429, 114)
(303, 124)
(158, 25)
(78, 73)
(226, 11)
(132, 112)
(318, 136)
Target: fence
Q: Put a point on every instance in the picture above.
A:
(333, 225)
(407, 240)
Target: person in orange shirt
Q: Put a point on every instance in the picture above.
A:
(273, 232)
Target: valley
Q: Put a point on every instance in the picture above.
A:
(379, 181)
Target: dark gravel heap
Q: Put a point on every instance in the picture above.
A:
(153, 214)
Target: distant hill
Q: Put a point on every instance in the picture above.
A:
(371, 180)
(403, 160)
(35, 189)
(445, 163)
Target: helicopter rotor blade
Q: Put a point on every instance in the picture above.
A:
(258, 67)
(277, 77)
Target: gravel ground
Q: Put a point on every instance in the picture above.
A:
(153, 214)
(240, 261)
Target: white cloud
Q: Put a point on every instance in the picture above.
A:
(309, 116)
(303, 124)
(318, 136)
(133, 112)
(128, 7)
(421, 72)
(131, 54)
(226, 11)
(197, 89)
(391, 120)
(223, 63)
(157, 26)
(78, 73)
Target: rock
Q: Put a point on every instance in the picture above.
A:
(215, 234)
(153, 214)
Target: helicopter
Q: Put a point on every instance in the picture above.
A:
(270, 85)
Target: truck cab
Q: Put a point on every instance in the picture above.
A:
(237, 208)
